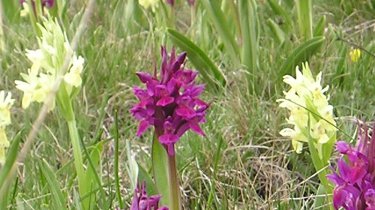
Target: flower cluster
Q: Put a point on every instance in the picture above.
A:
(141, 201)
(310, 114)
(355, 179)
(6, 103)
(46, 64)
(171, 103)
(148, 3)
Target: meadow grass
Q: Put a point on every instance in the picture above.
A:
(243, 162)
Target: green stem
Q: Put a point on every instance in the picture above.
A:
(173, 184)
(77, 154)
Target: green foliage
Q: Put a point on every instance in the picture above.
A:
(160, 171)
(301, 54)
(210, 72)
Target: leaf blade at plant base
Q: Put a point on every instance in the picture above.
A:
(160, 170)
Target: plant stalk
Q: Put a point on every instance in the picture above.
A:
(173, 183)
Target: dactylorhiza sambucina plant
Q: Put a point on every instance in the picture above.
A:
(6, 103)
(47, 62)
(149, 3)
(311, 117)
(170, 103)
(354, 179)
(39, 83)
(141, 201)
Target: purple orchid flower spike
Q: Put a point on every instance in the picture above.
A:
(171, 102)
(141, 201)
(355, 179)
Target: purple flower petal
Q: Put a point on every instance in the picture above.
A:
(164, 101)
(144, 77)
(370, 198)
(168, 138)
(196, 128)
(143, 125)
(185, 112)
(342, 147)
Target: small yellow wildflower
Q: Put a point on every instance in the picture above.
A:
(6, 103)
(355, 54)
(46, 62)
(309, 108)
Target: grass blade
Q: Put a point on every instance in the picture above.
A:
(219, 21)
(10, 159)
(277, 32)
(53, 185)
(280, 11)
(211, 74)
(116, 166)
(304, 13)
(248, 22)
(319, 28)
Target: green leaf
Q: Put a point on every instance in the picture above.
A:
(280, 11)
(11, 9)
(301, 54)
(304, 13)
(248, 22)
(319, 28)
(10, 159)
(92, 180)
(160, 169)
(211, 74)
(277, 32)
(143, 176)
(54, 186)
(220, 22)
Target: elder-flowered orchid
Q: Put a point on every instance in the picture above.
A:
(355, 179)
(141, 201)
(6, 103)
(46, 64)
(148, 3)
(310, 113)
(171, 102)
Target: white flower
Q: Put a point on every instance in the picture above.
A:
(46, 62)
(6, 103)
(25, 9)
(73, 77)
(148, 3)
(310, 113)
